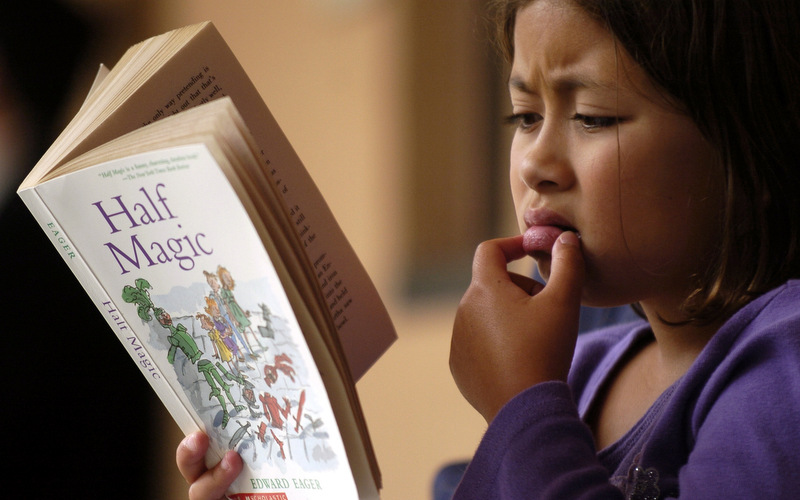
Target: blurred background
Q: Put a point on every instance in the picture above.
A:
(394, 106)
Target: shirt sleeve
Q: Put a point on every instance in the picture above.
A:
(537, 448)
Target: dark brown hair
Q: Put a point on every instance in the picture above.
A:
(733, 66)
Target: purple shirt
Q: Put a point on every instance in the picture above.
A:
(728, 429)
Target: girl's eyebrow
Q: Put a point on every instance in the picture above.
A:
(562, 84)
(518, 84)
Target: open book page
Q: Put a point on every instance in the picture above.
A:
(102, 73)
(171, 245)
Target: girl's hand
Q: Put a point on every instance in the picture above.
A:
(510, 332)
(205, 484)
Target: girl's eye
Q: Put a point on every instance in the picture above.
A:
(595, 122)
(524, 121)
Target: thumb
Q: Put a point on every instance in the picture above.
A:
(567, 269)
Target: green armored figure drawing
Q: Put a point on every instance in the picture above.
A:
(180, 339)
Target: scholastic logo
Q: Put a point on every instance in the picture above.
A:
(259, 496)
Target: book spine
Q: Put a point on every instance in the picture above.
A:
(108, 308)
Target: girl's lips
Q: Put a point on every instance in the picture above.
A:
(540, 239)
(544, 228)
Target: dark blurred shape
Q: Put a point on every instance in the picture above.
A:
(78, 418)
(42, 42)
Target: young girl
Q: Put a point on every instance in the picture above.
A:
(655, 162)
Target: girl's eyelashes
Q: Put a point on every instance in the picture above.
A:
(596, 122)
(523, 121)
(526, 121)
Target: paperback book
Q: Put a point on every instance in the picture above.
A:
(185, 214)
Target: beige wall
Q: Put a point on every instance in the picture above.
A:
(335, 74)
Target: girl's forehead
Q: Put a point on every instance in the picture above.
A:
(561, 46)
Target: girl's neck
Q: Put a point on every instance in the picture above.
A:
(676, 345)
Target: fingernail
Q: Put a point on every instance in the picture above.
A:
(190, 442)
(569, 238)
(225, 463)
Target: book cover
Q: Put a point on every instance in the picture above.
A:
(194, 296)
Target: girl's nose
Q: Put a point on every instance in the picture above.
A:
(544, 160)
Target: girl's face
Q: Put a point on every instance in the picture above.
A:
(598, 151)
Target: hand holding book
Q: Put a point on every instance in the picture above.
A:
(205, 483)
